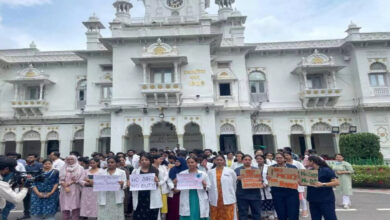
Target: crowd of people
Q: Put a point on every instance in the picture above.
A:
(67, 185)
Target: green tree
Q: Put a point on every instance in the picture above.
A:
(361, 146)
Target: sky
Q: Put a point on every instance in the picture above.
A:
(56, 24)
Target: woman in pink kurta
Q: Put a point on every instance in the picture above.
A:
(89, 198)
(70, 177)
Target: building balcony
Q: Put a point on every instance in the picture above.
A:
(319, 98)
(162, 93)
(29, 108)
(380, 91)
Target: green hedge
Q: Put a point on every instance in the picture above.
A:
(371, 176)
(361, 145)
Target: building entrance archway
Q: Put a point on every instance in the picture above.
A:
(297, 139)
(53, 143)
(31, 144)
(134, 138)
(78, 142)
(228, 138)
(263, 138)
(163, 135)
(322, 139)
(9, 143)
(192, 139)
(105, 141)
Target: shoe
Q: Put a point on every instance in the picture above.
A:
(346, 206)
(271, 217)
(24, 217)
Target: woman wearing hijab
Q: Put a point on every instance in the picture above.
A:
(70, 176)
(174, 196)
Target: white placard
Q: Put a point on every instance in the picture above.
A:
(189, 181)
(142, 182)
(106, 183)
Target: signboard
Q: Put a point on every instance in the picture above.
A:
(283, 177)
(189, 181)
(106, 183)
(251, 179)
(308, 177)
(142, 182)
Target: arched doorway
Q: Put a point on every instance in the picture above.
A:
(163, 135)
(78, 142)
(134, 138)
(10, 143)
(228, 138)
(53, 143)
(192, 138)
(105, 141)
(262, 137)
(31, 143)
(322, 139)
(297, 139)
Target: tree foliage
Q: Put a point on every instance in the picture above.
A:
(361, 145)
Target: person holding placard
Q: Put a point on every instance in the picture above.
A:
(147, 203)
(321, 197)
(286, 200)
(163, 181)
(70, 175)
(344, 173)
(222, 192)
(194, 203)
(267, 205)
(247, 198)
(88, 201)
(174, 195)
(111, 203)
(301, 189)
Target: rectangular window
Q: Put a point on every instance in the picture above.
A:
(106, 92)
(81, 95)
(224, 89)
(257, 87)
(162, 75)
(33, 93)
(378, 80)
(315, 82)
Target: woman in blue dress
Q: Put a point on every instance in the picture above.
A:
(44, 199)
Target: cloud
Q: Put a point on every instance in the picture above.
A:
(24, 2)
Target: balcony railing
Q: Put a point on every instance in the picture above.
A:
(29, 107)
(161, 88)
(381, 91)
(312, 98)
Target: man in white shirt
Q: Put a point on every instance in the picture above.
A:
(7, 165)
(57, 162)
(132, 159)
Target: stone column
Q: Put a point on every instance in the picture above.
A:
(43, 149)
(336, 138)
(2, 147)
(19, 147)
(41, 91)
(146, 143)
(308, 142)
(176, 72)
(305, 79)
(180, 138)
(144, 65)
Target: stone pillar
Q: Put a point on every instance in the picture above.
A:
(41, 91)
(43, 149)
(144, 65)
(308, 142)
(19, 147)
(180, 138)
(176, 72)
(305, 79)
(2, 148)
(336, 138)
(16, 92)
(146, 143)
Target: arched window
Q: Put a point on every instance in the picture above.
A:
(81, 94)
(257, 83)
(378, 75)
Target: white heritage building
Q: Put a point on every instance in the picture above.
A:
(182, 76)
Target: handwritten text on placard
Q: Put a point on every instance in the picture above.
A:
(142, 182)
(106, 183)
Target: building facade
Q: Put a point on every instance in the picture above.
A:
(180, 76)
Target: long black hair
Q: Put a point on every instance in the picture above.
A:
(319, 161)
(152, 169)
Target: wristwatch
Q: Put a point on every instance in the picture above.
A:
(323, 184)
